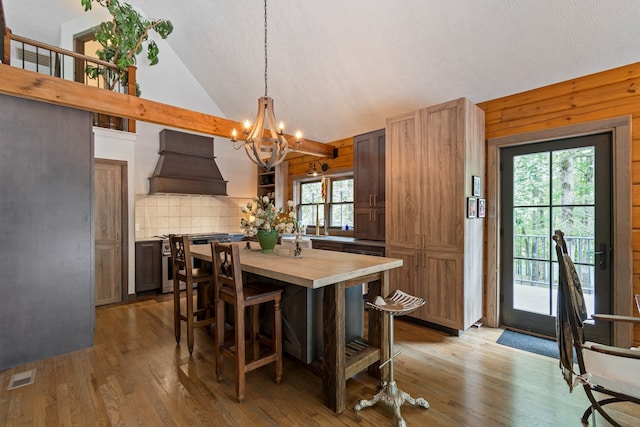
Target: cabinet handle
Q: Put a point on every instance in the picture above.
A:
(146, 245)
(375, 200)
(370, 199)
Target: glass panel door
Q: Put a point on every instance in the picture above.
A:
(566, 185)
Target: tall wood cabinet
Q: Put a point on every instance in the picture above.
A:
(431, 156)
(369, 185)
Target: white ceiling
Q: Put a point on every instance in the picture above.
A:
(340, 67)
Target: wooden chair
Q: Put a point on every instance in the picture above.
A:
(198, 313)
(230, 290)
(612, 371)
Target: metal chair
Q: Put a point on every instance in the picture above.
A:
(612, 371)
(398, 304)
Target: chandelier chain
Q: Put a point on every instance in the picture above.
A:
(265, 48)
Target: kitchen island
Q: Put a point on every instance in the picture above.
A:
(334, 272)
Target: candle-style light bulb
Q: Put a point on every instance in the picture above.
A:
(247, 126)
(298, 136)
(281, 128)
(234, 134)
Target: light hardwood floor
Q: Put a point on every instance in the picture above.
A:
(136, 375)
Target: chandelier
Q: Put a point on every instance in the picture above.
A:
(265, 143)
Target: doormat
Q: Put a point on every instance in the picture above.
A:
(530, 343)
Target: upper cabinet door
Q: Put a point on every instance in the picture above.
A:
(403, 172)
(368, 156)
(369, 185)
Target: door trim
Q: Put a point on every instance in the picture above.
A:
(124, 242)
(621, 217)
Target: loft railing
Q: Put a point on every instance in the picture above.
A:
(532, 252)
(3, 26)
(43, 58)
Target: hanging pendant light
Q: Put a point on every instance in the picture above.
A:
(265, 143)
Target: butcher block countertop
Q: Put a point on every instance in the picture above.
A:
(316, 269)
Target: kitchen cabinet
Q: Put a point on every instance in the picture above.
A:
(369, 185)
(266, 182)
(327, 245)
(274, 183)
(435, 152)
(148, 265)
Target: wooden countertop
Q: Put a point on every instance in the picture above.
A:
(316, 269)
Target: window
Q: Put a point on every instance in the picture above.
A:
(337, 203)
(341, 206)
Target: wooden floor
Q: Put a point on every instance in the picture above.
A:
(136, 375)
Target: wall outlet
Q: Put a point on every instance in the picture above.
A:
(137, 227)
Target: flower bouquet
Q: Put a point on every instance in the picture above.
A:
(263, 219)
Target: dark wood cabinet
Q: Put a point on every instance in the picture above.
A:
(369, 185)
(148, 266)
(327, 246)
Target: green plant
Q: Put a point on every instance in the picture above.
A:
(122, 39)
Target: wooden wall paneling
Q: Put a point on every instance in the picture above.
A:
(299, 164)
(566, 88)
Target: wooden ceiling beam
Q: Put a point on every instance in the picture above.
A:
(41, 87)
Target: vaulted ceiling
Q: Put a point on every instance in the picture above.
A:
(340, 67)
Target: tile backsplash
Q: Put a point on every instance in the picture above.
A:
(157, 214)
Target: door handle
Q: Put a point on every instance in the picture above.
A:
(602, 253)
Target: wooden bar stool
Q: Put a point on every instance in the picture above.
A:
(398, 304)
(201, 312)
(230, 290)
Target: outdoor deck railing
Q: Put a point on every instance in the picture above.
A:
(532, 253)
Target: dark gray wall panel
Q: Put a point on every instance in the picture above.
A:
(46, 224)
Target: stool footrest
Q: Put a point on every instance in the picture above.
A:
(393, 397)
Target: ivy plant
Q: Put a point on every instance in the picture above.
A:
(122, 39)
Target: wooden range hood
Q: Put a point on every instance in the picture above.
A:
(186, 166)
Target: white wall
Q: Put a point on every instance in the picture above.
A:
(169, 82)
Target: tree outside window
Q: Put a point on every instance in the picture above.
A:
(337, 204)
(341, 206)
(311, 210)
